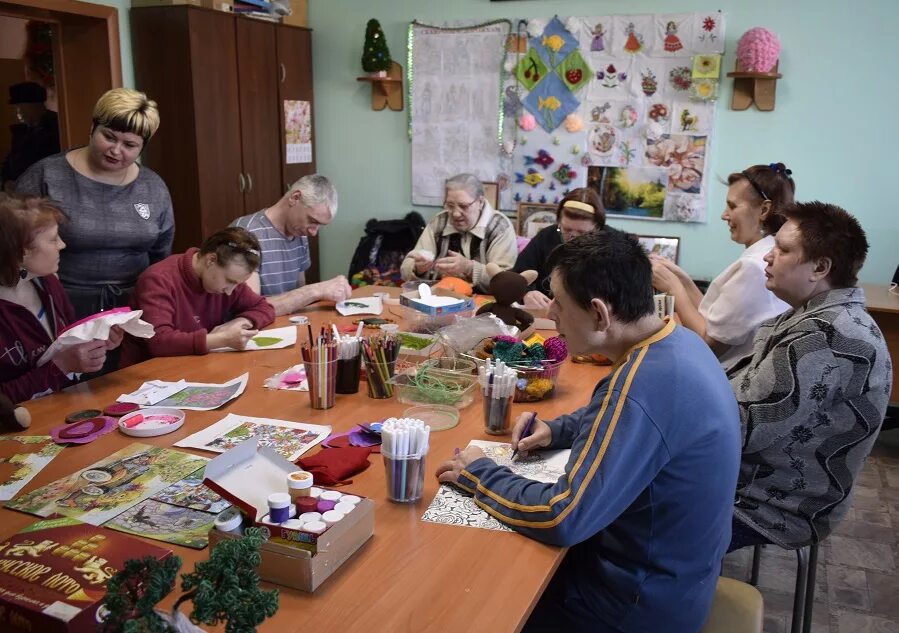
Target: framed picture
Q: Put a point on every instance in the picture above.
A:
(532, 217)
(630, 192)
(491, 192)
(667, 247)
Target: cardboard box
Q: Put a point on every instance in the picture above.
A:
(299, 13)
(53, 574)
(245, 476)
(412, 300)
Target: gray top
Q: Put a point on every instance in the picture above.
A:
(283, 258)
(114, 232)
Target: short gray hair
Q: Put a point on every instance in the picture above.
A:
(316, 189)
(468, 182)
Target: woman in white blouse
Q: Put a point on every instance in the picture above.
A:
(737, 301)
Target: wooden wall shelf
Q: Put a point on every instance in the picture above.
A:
(755, 87)
(386, 91)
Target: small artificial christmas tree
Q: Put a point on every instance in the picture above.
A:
(223, 589)
(375, 55)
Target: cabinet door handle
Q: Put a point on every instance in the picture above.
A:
(283, 72)
(241, 183)
(249, 182)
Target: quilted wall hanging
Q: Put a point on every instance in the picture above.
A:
(622, 103)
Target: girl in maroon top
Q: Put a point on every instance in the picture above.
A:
(199, 300)
(33, 306)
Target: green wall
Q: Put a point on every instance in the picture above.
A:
(837, 112)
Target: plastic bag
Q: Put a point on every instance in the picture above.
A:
(464, 335)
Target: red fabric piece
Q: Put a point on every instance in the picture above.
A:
(182, 312)
(333, 466)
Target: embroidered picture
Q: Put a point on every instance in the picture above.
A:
(684, 158)
(672, 41)
(633, 42)
(597, 44)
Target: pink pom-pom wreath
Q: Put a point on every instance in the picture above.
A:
(758, 50)
(527, 122)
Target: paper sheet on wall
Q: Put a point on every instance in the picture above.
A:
(454, 507)
(455, 107)
(298, 131)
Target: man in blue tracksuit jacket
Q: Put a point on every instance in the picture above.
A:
(646, 502)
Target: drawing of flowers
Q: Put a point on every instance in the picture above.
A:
(683, 156)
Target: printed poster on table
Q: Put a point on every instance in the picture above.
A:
(298, 131)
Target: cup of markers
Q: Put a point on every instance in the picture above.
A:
(404, 446)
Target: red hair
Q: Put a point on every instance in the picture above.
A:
(21, 219)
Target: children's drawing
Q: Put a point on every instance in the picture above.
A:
(111, 486)
(21, 458)
(190, 492)
(455, 507)
(164, 522)
(290, 439)
(197, 396)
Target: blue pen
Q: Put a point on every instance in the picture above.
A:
(526, 432)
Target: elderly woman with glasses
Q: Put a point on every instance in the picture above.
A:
(199, 300)
(462, 239)
(737, 301)
(579, 212)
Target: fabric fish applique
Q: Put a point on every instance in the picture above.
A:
(542, 158)
(564, 174)
(531, 178)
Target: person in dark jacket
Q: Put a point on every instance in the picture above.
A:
(579, 212)
(34, 137)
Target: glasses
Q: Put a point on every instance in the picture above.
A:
(755, 185)
(453, 206)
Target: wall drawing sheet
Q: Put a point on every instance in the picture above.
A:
(454, 507)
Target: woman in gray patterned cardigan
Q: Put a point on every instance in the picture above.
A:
(814, 393)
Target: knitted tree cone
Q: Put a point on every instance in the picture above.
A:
(758, 50)
(375, 55)
(13, 418)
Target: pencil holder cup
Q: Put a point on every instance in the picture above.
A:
(405, 477)
(348, 374)
(498, 415)
(322, 377)
(377, 377)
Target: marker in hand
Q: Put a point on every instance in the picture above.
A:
(526, 432)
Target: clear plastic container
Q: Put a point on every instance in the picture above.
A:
(454, 390)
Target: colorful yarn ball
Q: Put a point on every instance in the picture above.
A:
(758, 50)
(539, 387)
(556, 349)
(508, 352)
(535, 353)
(502, 338)
(527, 122)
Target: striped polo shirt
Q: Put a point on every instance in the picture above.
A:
(283, 258)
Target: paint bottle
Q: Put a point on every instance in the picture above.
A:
(306, 504)
(307, 517)
(324, 505)
(315, 527)
(315, 493)
(279, 507)
(331, 517)
(344, 508)
(330, 495)
(292, 524)
(229, 520)
(299, 484)
(350, 499)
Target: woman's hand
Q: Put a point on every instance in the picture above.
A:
(663, 278)
(670, 265)
(541, 436)
(455, 265)
(422, 264)
(115, 337)
(83, 358)
(535, 298)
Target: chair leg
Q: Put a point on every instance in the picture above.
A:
(756, 562)
(810, 588)
(801, 584)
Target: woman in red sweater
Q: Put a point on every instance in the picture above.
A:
(199, 300)
(34, 308)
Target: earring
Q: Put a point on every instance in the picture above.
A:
(23, 273)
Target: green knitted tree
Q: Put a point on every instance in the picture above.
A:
(375, 56)
(132, 595)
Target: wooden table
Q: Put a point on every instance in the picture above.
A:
(411, 575)
(883, 306)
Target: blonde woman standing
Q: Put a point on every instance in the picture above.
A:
(120, 213)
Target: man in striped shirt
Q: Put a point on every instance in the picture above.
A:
(283, 230)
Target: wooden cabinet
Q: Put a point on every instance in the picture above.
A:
(220, 81)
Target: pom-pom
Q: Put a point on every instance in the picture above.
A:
(527, 122)
(505, 339)
(536, 26)
(758, 50)
(539, 387)
(572, 24)
(573, 123)
(509, 64)
(555, 348)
